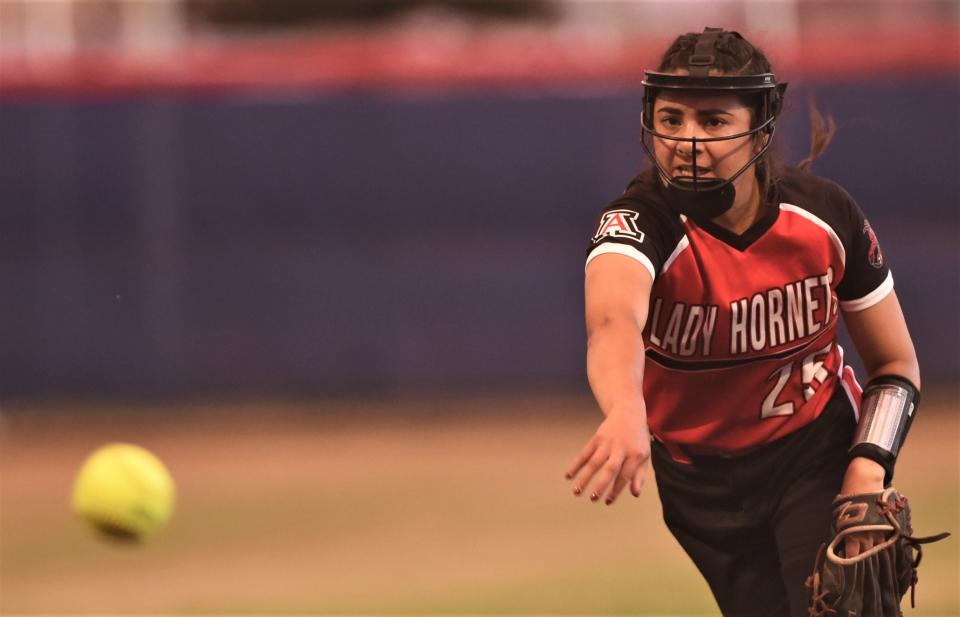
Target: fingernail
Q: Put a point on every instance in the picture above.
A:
(577, 490)
(594, 497)
(609, 501)
(568, 475)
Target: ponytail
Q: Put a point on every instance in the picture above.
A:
(821, 132)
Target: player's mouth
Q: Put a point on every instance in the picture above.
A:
(686, 171)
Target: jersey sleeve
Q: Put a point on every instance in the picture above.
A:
(867, 278)
(634, 227)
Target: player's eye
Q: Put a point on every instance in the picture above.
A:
(670, 121)
(715, 122)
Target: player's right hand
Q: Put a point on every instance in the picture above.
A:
(615, 456)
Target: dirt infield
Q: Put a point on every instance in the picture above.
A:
(449, 506)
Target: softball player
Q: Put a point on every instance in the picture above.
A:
(714, 288)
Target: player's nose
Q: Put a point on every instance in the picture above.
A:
(689, 145)
(690, 133)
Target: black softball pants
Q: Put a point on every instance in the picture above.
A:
(753, 524)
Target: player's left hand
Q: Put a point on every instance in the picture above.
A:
(863, 476)
(872, 583)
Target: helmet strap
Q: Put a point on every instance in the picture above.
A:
(704, 55)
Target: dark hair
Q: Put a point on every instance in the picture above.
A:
(736, 56)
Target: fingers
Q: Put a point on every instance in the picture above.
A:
(580, 461)
(851, 545)
(611, 476)
(636, 486)
(612, 469)
(608, 469)
(591, 461)
(631, 468)
(857, 543)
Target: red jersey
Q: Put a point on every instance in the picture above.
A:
(741, 334)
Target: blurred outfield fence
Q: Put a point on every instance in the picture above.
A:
(406, 208)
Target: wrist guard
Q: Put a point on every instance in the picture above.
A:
(887, 409)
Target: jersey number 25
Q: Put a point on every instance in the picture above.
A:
(812, 374)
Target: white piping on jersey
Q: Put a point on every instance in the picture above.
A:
(819, 223)
(622, 249)
(871, 298)
(681, 245)
(850, 397)
(846, 387)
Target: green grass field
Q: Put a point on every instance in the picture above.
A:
(442, 507)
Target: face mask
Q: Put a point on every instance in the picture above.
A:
(707, 198)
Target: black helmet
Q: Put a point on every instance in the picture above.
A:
(709, 197)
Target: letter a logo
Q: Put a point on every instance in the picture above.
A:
(619, 224)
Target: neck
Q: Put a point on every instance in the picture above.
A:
(746, 205)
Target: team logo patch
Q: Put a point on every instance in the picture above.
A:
(619, 224)
(874, 256)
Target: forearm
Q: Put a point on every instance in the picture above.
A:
(618, 452)
(866, 473)
(908, 368)
(881, 337)
(615, 356)
(891, 396)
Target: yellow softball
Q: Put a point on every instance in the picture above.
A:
(124, 491)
